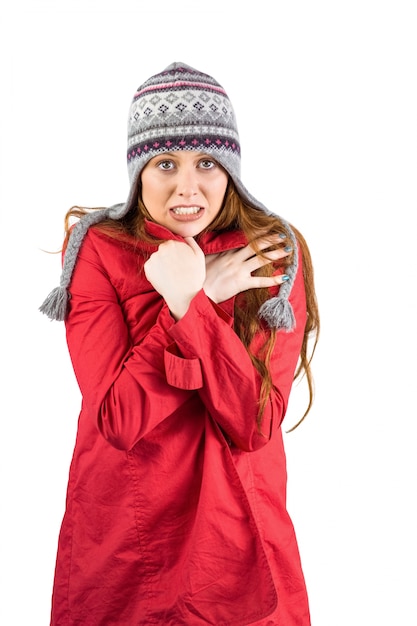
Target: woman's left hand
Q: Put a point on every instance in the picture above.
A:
(230, 273)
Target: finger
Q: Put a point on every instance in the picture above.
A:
(264, 282)
(261, 244)
(193, 244)
(266, 258)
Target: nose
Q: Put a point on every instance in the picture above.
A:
(187, 184)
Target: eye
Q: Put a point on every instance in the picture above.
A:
(165, 165)
(207, 164)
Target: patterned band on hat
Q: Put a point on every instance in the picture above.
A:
(193, 141)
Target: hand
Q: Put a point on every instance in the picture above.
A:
(230, 273)
(177, 271)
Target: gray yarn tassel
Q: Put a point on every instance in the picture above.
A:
(278, 312)
(55, 306)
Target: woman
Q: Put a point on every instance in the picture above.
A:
(187, 309)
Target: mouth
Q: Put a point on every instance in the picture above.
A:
(186, 213)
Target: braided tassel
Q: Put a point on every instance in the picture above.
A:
(278, 313)
(55, 305)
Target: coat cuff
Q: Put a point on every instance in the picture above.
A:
(182, 373)
(186, 373)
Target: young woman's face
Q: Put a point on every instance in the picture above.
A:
(183, 191)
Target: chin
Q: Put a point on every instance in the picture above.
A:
(189, 232)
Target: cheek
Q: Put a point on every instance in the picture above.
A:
(151, 191)
(219, 188)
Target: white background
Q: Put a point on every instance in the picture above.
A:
(326, 101)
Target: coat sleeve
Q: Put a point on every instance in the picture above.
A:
(123, 384)
(231, 384)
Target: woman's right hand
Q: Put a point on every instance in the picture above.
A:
(230, 273)
(177, 271)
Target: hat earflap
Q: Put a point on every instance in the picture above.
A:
(55, 305)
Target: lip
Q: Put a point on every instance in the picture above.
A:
(192, 217)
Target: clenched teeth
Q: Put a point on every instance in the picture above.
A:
(186, 210)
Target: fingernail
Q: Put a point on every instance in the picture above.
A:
(285, 277)
(288, 248)
(282, 235)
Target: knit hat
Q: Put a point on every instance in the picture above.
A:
(180, 108)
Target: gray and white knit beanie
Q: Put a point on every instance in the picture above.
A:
(180, 108)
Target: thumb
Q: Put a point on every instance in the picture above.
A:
(193, 244)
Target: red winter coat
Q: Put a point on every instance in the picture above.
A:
(176, 511)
